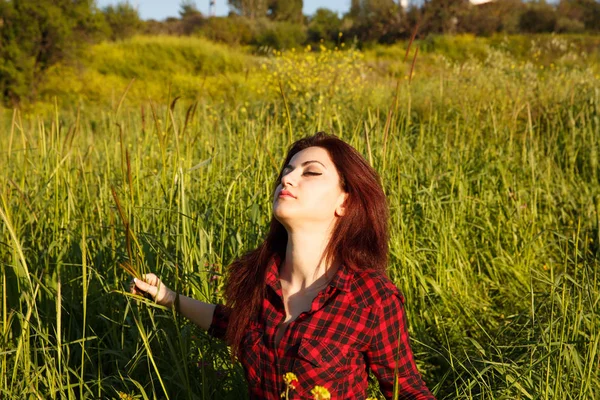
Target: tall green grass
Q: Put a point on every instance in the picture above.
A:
(491, 171)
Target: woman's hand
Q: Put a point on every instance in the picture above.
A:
(197, 311)
(152, 285)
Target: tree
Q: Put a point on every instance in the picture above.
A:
(279, 34)
(355, 9)
(492, 17)
(383, 21)
(444, 16)
(584, 12)
(188, 9)
(538, 17)
(279, 10)
(250, 8)
(285, 10)
(191, 18)
(36, 34)
(123, 19)
(324, 24)
(233, 30)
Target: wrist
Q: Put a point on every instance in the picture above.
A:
(176, 302)
(167, 299)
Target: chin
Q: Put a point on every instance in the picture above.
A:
(281, 215)
(286, 215)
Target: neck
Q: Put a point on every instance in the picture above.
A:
(305, 265)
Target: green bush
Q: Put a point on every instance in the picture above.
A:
(123, 19)
(231, 30)
(569, 25)
(237, 30)
(457, 48)
(279, 35)
(156, 66)
(325, 24)
(586, 12)
(538, 18)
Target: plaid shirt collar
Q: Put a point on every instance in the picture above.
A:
(342, 279)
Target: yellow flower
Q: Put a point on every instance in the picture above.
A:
(290, 379)
(320, 393)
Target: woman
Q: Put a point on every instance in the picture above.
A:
(313, 299)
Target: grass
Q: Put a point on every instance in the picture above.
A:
(490, 166)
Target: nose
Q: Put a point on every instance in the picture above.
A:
(288, 179)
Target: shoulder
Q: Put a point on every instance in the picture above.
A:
(374, 289)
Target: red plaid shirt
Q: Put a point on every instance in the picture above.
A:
(355, 324)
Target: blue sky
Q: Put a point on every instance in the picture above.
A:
(161, 9)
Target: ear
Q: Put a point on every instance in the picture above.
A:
(340, 210)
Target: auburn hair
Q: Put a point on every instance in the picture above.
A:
(359, 239)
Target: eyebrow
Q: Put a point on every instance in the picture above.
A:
(305, 163)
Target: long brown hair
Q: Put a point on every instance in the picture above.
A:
(359, 239)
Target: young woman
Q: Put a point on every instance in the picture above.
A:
(314, 299)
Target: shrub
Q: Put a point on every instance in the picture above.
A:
(231, 30)
(569, 25)
(587, 12)
(123, 19)
(537, 18)
(280, 35)
(381, 22)
(457, 48)
(489, 18)
(325, 24)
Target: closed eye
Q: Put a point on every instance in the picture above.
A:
(312, 173)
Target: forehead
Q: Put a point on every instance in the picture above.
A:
(310, 154)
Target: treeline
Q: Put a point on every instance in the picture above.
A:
(281, 24)
(36, 34)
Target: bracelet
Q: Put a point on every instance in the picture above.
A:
(176, 303)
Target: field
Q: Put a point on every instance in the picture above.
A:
(162, 152)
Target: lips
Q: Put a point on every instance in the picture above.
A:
(286, 193)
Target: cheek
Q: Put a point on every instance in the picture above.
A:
(323, 201)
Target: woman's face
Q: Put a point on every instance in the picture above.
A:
(309, 193)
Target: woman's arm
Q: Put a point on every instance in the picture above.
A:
(390, 356)
(199, 312)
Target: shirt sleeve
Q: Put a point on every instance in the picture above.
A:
(390, 354)
(219, 323)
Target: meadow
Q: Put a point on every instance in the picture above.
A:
(159, 154)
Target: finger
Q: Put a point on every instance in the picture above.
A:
(134, 289)
(145, 287)
(151, 279)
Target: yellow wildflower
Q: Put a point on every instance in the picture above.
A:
(320, 393)
(290, 379)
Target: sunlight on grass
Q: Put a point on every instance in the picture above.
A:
(489, 159)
